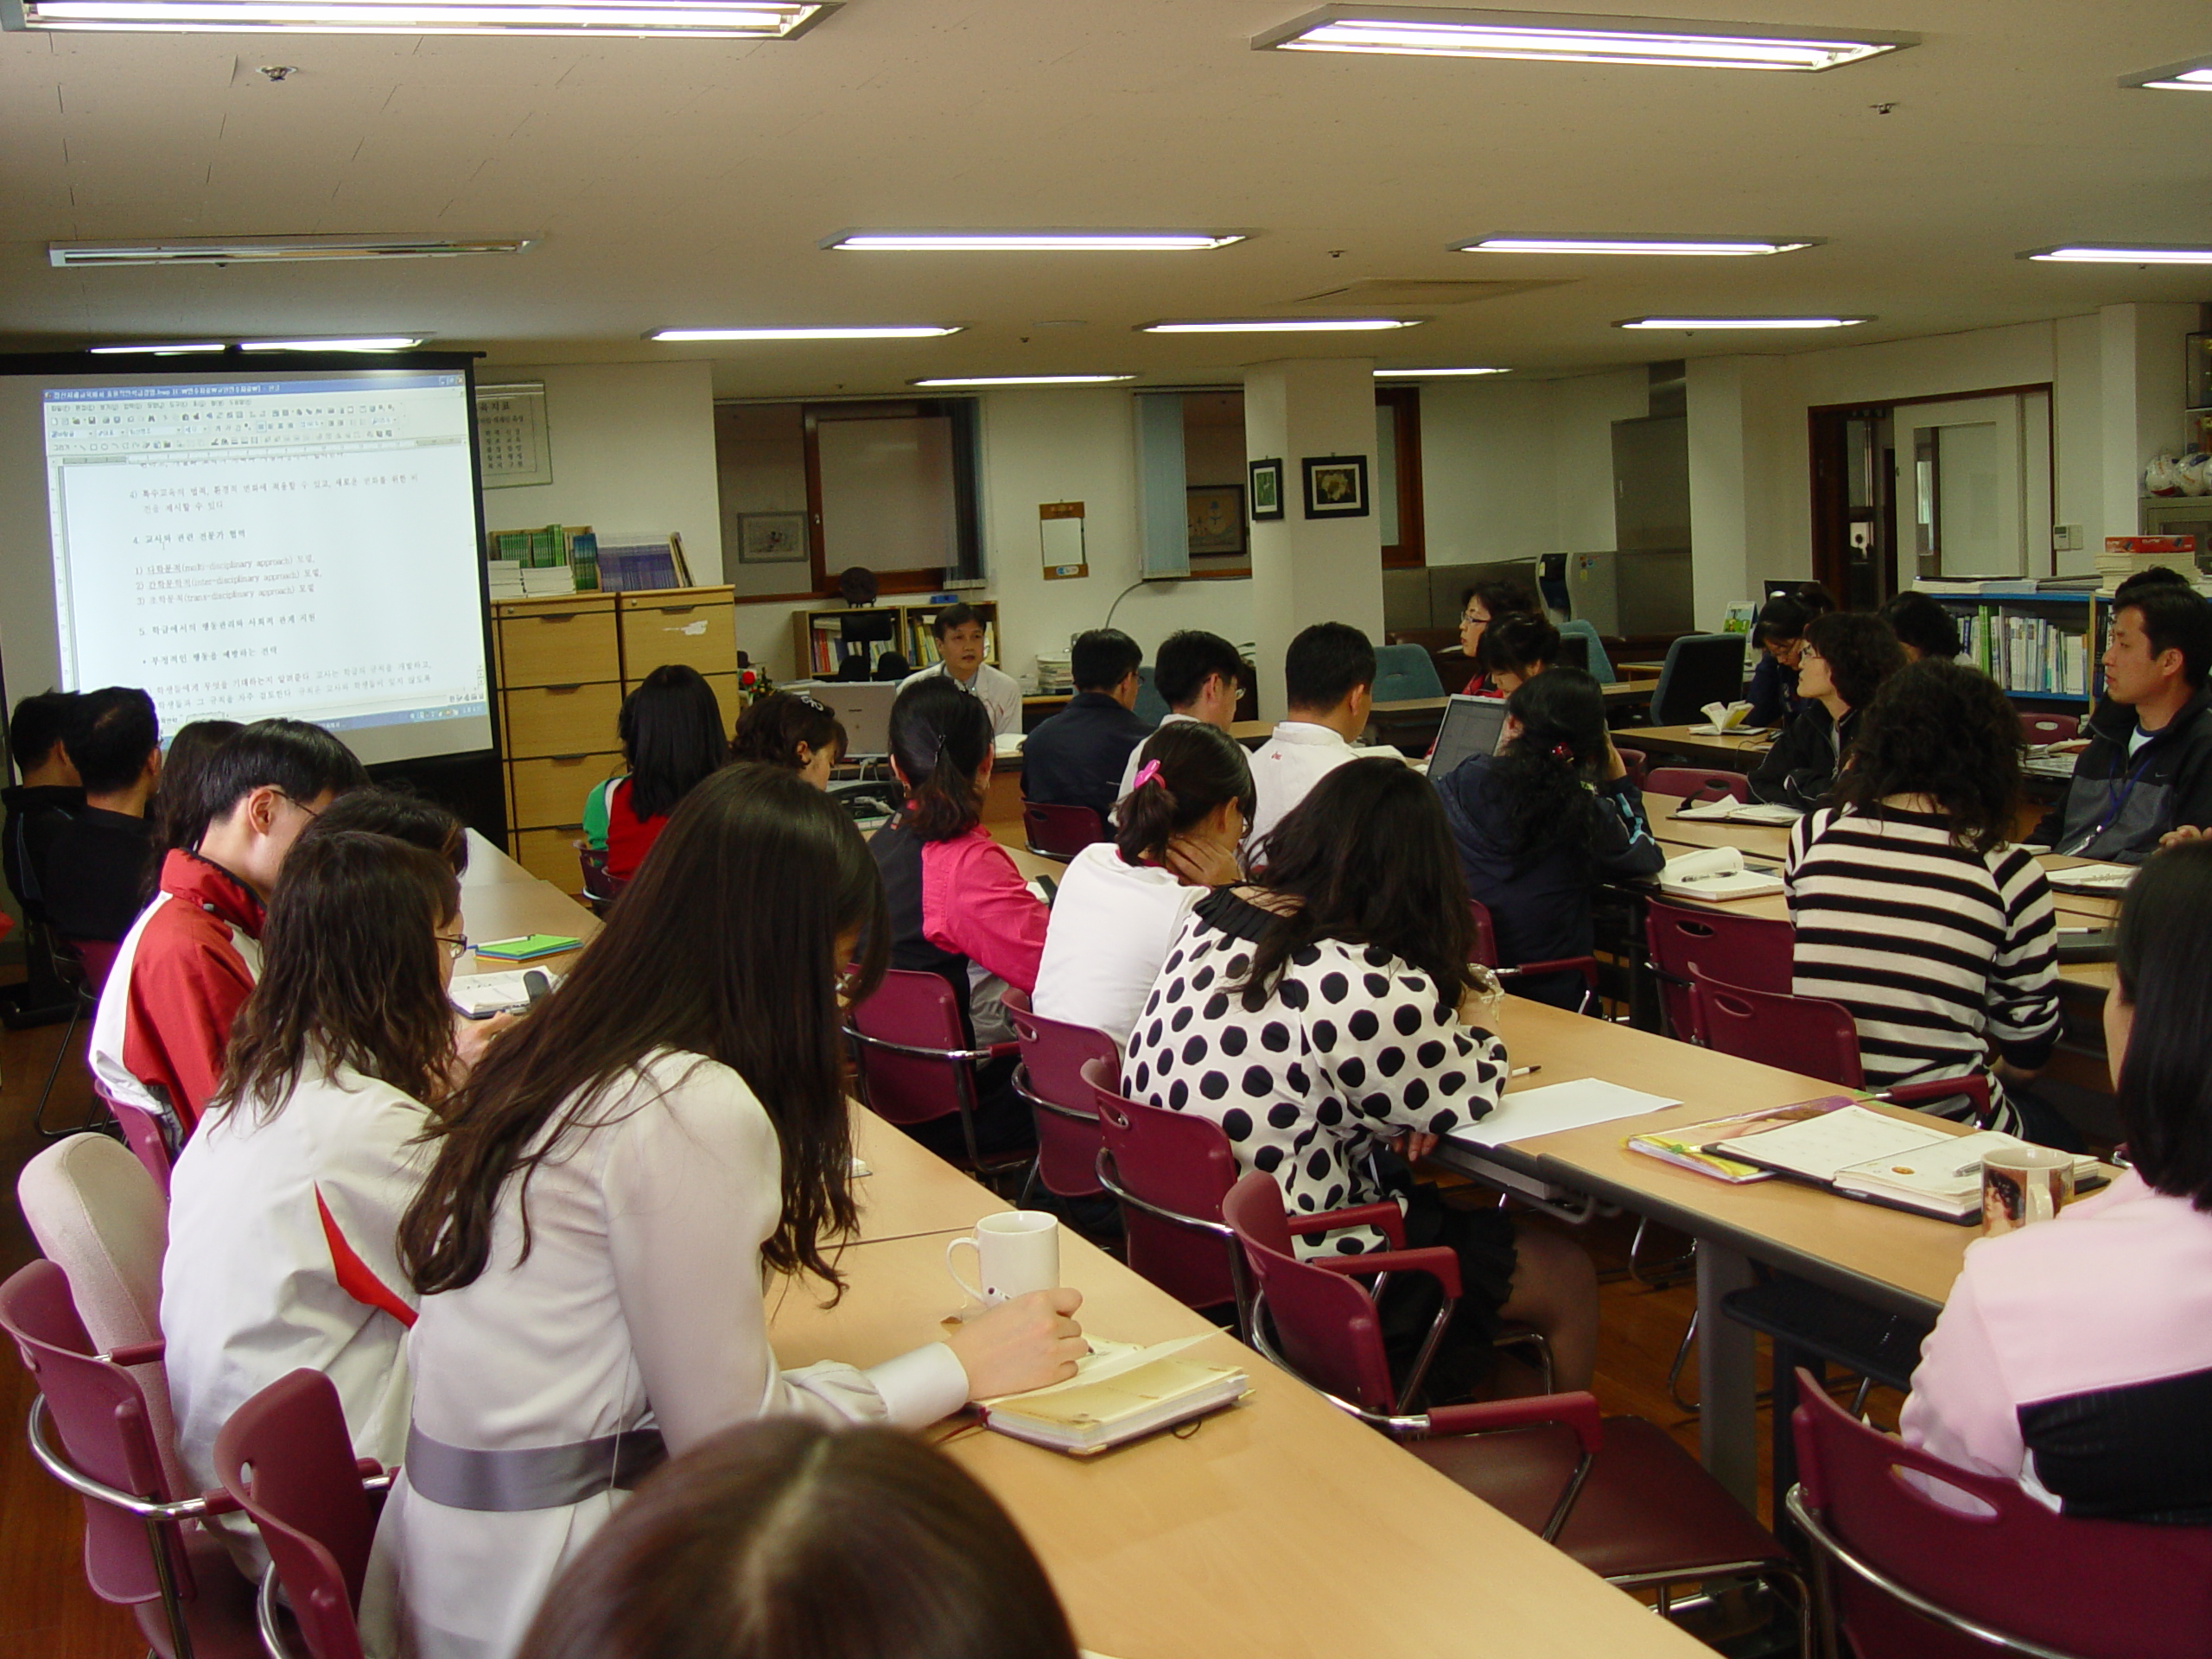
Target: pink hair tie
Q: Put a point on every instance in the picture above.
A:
(1146, 774)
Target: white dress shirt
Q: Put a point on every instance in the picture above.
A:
(1000, 692)
(1111, 927)
(1297, 756)
(1136, 755)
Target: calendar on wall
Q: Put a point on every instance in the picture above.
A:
(511, 436)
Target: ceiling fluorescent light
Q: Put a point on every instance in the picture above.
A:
(1024, 380)
(2123, 253)
(1707, 247)
(360, 343)
(1432, 374)
(2192, 76)
(919, 331)
(1743, 322)
(752, 20)
(275, 250)
(1029, 241)
(1561, 37)
(162, 349)
(1281, 326)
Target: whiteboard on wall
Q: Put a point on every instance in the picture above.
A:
(888, 495)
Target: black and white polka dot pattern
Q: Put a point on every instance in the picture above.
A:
(1348, 1051)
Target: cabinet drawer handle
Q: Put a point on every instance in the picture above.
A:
(566, 759)
(574, 685)
(675, 610)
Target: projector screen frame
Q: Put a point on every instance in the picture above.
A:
(466, 780)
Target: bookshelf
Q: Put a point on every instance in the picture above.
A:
(821, 645)
(2043, 646)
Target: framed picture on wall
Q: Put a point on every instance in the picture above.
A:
(771, 538)
(1216, 514)
(1336, 486)
(1267, 488)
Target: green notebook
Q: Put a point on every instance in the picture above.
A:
(530, 945)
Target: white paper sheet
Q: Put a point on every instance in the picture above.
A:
(1557, 1106)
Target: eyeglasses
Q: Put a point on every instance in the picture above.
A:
(312, 811)
(456, 944)
(1475, 617)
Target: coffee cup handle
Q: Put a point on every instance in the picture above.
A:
(970, 1242)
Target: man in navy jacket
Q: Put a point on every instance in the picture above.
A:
(1077, 758)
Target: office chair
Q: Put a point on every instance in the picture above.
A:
(1700, 668)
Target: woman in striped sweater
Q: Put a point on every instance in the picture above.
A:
(1913, 909)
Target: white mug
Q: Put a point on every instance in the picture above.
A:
(1016, 1251)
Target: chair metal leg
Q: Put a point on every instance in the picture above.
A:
(38, 1116)
(1681, 1360)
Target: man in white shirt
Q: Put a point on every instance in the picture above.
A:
(1199, 676)
(960, 645)
(1329, 683)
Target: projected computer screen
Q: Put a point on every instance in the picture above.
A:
(245, 545)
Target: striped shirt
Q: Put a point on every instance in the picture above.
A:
(1936, 950)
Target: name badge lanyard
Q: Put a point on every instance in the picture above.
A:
(2116, 793)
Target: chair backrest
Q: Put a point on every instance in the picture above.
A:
(1151, 707)
(2049, 729)
(143, 1131)
(98, 957)
(1482, 944)
(598, 886)
(1053, 1054)
(1694, 783)
(1798, 1033)
(1324, 1325)
(1637, 762)
(1601, 666)
(1700, 668)
(1056, 830)
(916, 1009)
(1756, 952)
(1405, 671)
(286, 1456)
(1178, 1162)
(2093, 1588)
(101, 1418)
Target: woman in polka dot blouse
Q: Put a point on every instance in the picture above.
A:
(1318, 1020)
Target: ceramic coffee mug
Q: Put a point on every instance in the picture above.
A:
(2024, 1184)
(1016, 1251)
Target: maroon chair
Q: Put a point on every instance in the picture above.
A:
(1907, 1576)
(83, 965)
(1619, 1496)
(1057, 831)
(285, 1457)
(1637, 762)
(1053, 1054)
(917, 1062)
(1696, 784)
(599, 889)
(1756, 951)
(145, 1547)
(1484, 948)
(2049, 729)
(151, 1138)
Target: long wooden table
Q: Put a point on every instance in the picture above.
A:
(1674, 745)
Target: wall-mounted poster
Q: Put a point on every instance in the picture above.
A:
(512, 444)
(1216, 514)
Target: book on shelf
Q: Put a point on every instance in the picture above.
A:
(2027, 652)
(630, 563)
(1120, 1391)
(2128, 556)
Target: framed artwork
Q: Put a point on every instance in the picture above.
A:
(1216, 516)
(513, 446)
(771, 538)
(1336, 486)
(1267, 488)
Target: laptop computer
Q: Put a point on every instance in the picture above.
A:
(864, 706)
(1472, 725)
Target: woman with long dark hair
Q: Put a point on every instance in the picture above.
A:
(609, 1191)
(178, 810)
(1322, 1018)
(284, 1204)
(672, 732)
(1846, 657)
(1540, 824)
(792, 730)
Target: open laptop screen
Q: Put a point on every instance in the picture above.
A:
(1472, 725)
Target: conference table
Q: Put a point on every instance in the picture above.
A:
(1679, 746)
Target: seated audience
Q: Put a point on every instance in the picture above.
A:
(1479, 607)
(609, 1191)
(1846, 658)
(1122, 902)
(1922, 626)
(1077, 758)
(190, 959)
(786, 1539)
(1199, 676)
(1318, 1016)
(1815, 597)
(284, 1208)
(1516, 647)
(95, 870)
(40, 806)
(2077, 1356)
(179, 815)
(2147, 769)
(1540, 824)
(1779, 633)
(671, 730)
(962, 645)
(792, 730)
(1329, 685)
(1911, 907)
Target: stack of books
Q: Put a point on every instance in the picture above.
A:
(2127, 555)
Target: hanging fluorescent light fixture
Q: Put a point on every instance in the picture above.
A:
(1693, 246)
(1024, 380)
(274, 250)
(751, 20)
(1433, 374)
(1563, 37)
(1742, 322)
(358, 343)
(1281, 326)
(2192, 76)
(158, 349)
(903, 331)
(1029, 241)
(2123, 253)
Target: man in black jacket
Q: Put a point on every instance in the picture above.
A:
(1076, 757)
(2148, 766)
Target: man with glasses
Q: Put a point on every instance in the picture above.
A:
(188, 962)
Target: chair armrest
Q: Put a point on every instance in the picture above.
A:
(138, 1353)
(1577, 1411)
(1975, 1088)
(1386, 1218)
(1585, 966)
(1437, 1262)
(1000, 1051)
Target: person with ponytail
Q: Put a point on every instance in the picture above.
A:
(792, 730)
(1122, 902)
(1541, 823)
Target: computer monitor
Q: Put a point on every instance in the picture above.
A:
(864, 706)
(1472, 725)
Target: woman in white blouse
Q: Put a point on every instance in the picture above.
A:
(612, 1191)
(1122, 902)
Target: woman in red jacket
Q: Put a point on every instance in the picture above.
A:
(671, 730)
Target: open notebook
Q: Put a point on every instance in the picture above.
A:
(1120, 1391)
(1727, 810)
(2091, 878)
(1715, 873)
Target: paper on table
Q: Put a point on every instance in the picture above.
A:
(1560, 1106)
(2095, 878)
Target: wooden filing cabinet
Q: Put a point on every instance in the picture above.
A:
(696, 626)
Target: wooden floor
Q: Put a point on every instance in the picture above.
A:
(46, 1613)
